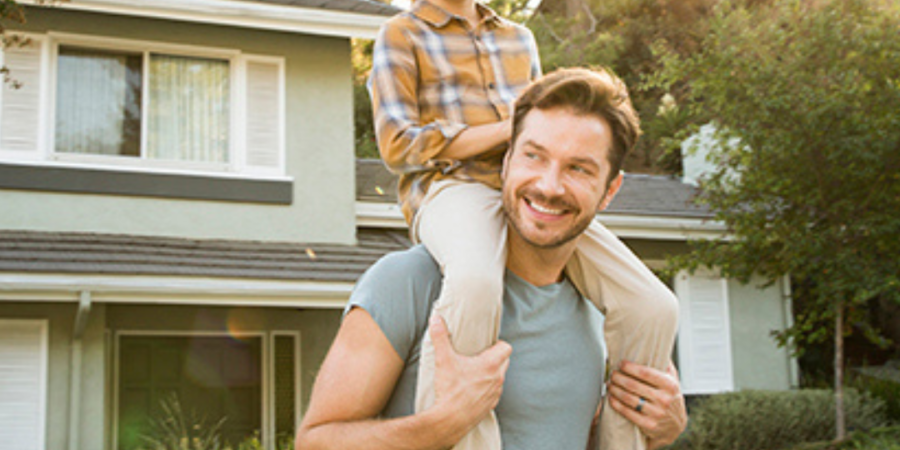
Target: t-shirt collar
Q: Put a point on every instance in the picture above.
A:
(439, 18)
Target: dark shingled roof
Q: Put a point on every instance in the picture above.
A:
(645, 195)
(357, 6)
(31, 251)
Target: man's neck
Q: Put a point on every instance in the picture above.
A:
(538, 266)
(463, 8)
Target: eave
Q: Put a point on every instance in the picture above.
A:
(294, 19)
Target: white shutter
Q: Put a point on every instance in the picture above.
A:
(23, 384)
(20, 106)
(264, 132)
(704, 335)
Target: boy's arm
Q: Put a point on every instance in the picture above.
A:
(405, 143)
(359, 374)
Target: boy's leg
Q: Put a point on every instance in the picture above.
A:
(463, 228)
(641, 317)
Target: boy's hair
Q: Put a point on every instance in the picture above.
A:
(597, 93)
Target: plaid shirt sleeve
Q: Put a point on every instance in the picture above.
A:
(406, 144)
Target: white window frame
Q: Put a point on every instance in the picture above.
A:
(44, 327)
(236, 166)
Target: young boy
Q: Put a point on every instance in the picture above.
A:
(445, 76)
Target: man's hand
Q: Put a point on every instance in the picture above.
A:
(662, 416)
(467, 388)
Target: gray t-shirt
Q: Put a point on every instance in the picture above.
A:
(553, 384)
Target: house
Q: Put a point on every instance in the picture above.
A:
(177, 214)
(181, 214)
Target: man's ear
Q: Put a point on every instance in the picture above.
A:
(611, 192)
(506, 157)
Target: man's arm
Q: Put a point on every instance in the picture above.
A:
(359, 374)
(663, 416)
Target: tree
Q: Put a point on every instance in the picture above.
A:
(619, 34)
(804, 96)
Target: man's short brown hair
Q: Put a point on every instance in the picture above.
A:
(596, 92)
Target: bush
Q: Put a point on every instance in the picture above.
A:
(773, 420)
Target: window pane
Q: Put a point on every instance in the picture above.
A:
(188, 109)
(98, 102)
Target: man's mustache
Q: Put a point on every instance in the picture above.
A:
(554, 202)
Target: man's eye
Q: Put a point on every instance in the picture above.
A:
(581, 170)
(531, 155)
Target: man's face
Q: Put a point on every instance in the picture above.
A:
(555, 176)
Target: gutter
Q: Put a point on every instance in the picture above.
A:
(160, 290)
(256, 15)
(77, 355)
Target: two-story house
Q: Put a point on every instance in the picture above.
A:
(181, 215)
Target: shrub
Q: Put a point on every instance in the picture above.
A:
(773, 420)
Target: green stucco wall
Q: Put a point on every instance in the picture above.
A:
(91, 416)
(319, 145)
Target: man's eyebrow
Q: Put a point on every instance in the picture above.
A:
(535, 145)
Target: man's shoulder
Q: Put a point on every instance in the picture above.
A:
(400, 276)
(414, 263)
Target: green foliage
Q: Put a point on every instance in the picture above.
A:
(810, 90)
(883, 388)
(773, 420)
(620, 34)
(886, 438)
(176, 429)
(363, 122)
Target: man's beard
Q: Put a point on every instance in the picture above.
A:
(511, 209)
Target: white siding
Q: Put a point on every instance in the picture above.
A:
(23, 384)
(704, 336)
(21, 99)
(264, 141)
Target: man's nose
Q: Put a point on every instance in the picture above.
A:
(550, 182)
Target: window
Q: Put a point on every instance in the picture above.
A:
(98, 102)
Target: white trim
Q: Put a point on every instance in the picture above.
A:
(379, 215)
(111, 167)
(182, 333)
(387, 215)
(241, 14)
(44, 327)
(174, 290)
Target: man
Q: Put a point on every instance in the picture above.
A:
(545, 376)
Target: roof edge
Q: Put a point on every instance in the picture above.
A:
(293, 19)
(137, 289)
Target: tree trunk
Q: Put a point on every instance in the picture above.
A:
(839, 373)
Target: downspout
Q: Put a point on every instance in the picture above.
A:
(788, 303)
(81, 320)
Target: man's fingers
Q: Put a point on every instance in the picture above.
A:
(630, 384)
(642, 421)
(645, 374)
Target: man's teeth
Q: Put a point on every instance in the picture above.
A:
(543, 210)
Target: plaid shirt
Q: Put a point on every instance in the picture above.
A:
(432, 76)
